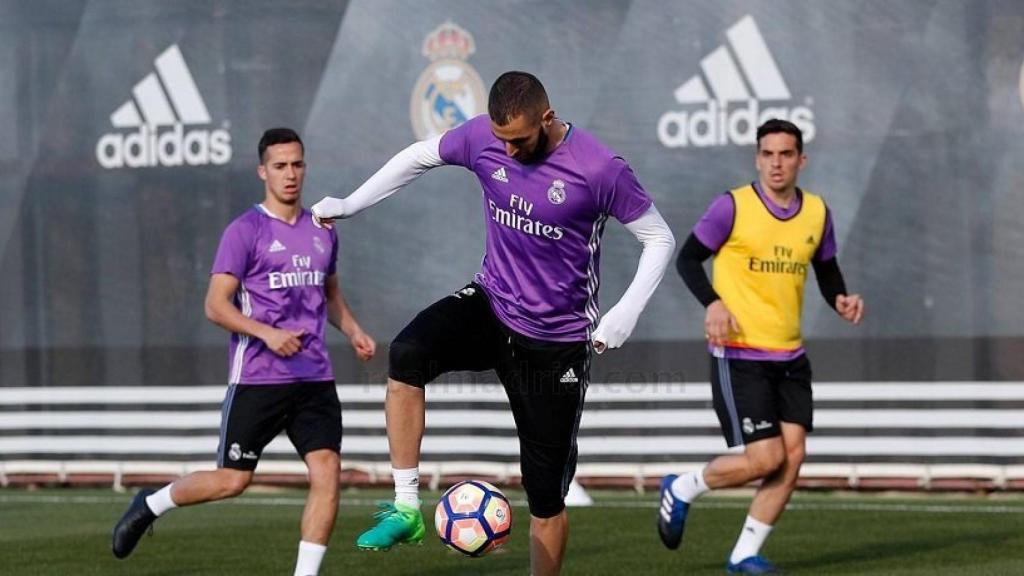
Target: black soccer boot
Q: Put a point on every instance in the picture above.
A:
(132, 525)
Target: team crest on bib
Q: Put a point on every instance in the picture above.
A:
(556, 194)
(449, 91)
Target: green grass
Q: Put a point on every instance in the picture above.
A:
(67, 532)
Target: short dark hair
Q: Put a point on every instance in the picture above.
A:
(278, 136)
(513, 94)
(775, 126)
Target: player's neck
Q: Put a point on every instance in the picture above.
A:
(782, 198)
(558, 131)
(288, 212)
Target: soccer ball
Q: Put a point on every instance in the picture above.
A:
(473, 517)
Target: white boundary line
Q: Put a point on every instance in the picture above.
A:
(638, 505)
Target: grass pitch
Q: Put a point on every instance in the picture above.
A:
(67, 532)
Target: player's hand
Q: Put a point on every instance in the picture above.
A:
(614, 328)
(719, 323)
(283, 342)
(364, 345)
(322, 222)
(327, 210)
(850, 307)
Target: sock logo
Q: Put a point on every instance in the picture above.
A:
(741, 81)
(160, 108)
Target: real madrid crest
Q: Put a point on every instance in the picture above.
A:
(449, 91)
(556, 193)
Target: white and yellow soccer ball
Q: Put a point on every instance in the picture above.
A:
(473, 517)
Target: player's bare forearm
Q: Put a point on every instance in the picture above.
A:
(338, 312)
(221, 310)
(340, 316)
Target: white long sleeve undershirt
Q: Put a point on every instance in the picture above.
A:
(403, 168)
(658, 246)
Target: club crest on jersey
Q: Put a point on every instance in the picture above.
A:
(318, 245)
(449, 91)
(556, 193)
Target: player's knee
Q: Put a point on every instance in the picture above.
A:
(767, 460)
(324, 466)
(545, 504)
(795, 455)
(409, 363)
(543, 485)
(234, 482)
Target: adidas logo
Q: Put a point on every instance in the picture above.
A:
(276, 246)
(167, 98)
(569, 377)
(500, 175)
(739, 81)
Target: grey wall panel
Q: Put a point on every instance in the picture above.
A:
(916, 110)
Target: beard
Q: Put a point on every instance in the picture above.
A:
(539, 151)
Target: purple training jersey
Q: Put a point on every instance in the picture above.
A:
(544, 224)
(714, 228)
(281, 269)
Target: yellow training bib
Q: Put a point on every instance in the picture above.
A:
(761, 269)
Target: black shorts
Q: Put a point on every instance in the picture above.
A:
(254, 414)
(545, 383)
(752, 397)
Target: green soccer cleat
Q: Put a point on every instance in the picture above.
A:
(396, 524)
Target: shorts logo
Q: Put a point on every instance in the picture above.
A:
(449, 91)
(762, 425)
(318, 244)
(556, 193)
(569, 377)
(748, 426)
(467, 292)
(235, 453)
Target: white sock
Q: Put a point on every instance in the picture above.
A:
(751, 538)
(310, 556)
(407, 486)
(689, 486)
(160, 501)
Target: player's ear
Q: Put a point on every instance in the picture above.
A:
(547, 117)
(261, 170)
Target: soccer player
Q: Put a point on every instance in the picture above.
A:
(273, 285)
(764, 237)
(530, 315)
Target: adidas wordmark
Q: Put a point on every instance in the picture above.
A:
(733, 96)
(167, 98)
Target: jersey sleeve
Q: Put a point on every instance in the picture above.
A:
(827, 248)
(234, 250)
(715, 226)
(623, 197)
(460, 145)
